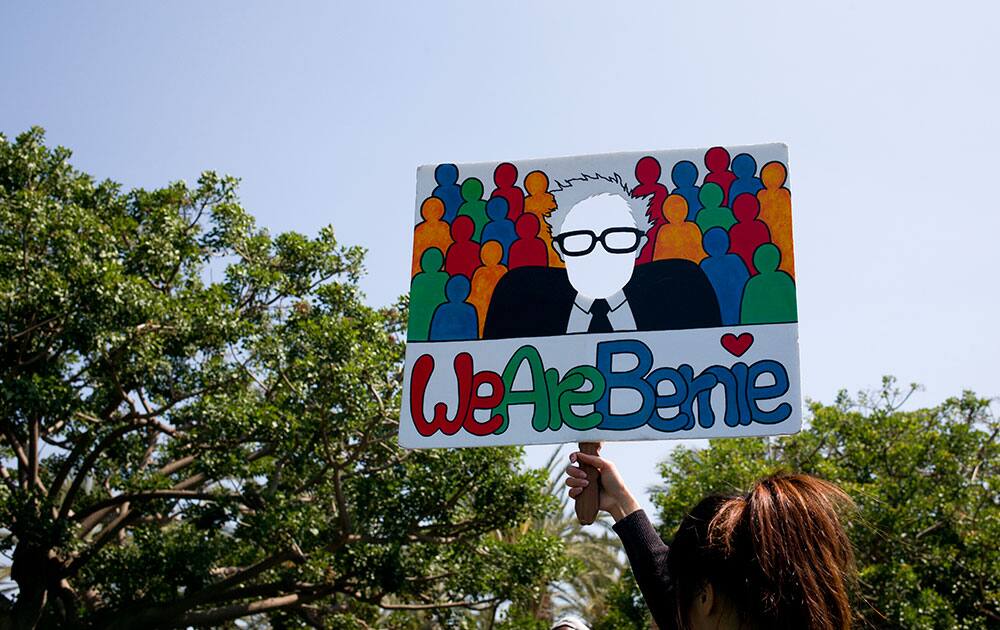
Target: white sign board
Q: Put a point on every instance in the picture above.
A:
(629, 296)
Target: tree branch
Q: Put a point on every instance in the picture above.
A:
(346, 523)
(34, 429)
(17, 447)
(5, 475)
(91, 459)
(226, 613)
(485, 603)
(169, 469)
(34, 327)
(23, 462)
(72, 458)
(219, 589)
(124, 517)
(85, 517)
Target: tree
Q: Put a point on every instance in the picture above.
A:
(178, 450)
(593, 562)
(927, 487)
(623, 607)
(594, 555)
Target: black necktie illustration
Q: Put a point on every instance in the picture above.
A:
(599, 322)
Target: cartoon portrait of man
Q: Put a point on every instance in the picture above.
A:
(598, 230)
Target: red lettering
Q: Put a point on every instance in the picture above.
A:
(469, 399)
(492, 401)
(422, 370)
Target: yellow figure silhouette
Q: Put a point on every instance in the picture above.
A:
(678, 238)
(541, 203)
(776, 211)
(431, 232)
(485, 279)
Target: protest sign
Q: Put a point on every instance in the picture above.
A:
(627, 296)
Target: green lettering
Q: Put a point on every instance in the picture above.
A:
(537, 395)
(570, 395)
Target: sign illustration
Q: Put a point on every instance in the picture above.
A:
(598, 299)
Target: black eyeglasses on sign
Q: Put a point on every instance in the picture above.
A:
(616, 240)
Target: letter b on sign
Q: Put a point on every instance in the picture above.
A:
(633, 379)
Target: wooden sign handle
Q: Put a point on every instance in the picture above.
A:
(589, 500)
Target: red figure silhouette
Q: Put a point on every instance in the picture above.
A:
(528, 250)
(463, 255)
(717, 162)
(505, 178)
(749, 232)
(647, 171)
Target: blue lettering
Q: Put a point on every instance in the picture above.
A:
(756, 393)
(681, 420)
(630, 379)
(696, 389)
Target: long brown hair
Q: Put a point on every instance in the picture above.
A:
(779, 554)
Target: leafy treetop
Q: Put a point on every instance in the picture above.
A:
(177, 449)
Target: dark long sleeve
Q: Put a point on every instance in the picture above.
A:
(648, 556)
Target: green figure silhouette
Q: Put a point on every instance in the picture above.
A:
(426, 294)
(713, 213)
(769, 297)
(474, 207)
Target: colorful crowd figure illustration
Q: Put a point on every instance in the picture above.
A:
(736, 225)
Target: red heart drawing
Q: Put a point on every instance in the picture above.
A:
(737, 345)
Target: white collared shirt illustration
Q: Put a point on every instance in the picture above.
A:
(601, 256)
(586, 317)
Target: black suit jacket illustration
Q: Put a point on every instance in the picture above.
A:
(663, 295)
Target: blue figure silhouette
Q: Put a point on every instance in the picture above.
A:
(456, 319)
(745, 169)
(448, 190)
(727, 273)
(685, 175)
(500, 228)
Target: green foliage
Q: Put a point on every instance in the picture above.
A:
(624, 608)
(926, 485)
(593, 558)
(202, 418)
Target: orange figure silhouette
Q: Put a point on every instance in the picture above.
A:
(541, 203)
(776, 211)
(431, 232)
(678, 237)
(485, 279)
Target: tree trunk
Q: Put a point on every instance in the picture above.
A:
(28, 569)
(36, 571)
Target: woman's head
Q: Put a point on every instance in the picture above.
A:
(776, 557)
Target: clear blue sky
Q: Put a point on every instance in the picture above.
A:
(325, 110)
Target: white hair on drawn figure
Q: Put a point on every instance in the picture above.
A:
(572, 191)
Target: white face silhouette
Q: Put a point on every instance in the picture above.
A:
(599, 274)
